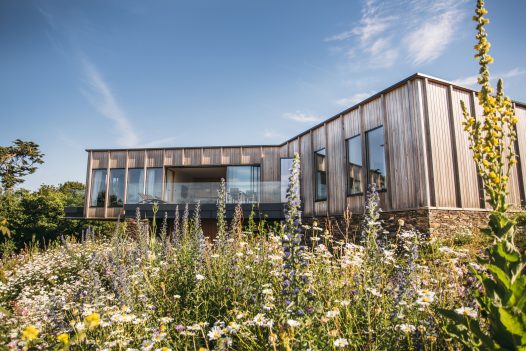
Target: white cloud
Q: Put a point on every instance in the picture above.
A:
(431, 38)
(299, 116)
(421, 30)
(352, 100)
(472, 80)
(271, 134)
(169, 141)
(101, 97)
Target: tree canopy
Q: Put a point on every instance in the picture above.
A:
(18, 161)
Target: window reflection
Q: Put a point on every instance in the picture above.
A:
(286, 168)
(135, 185)
(98, 188)
(116, 198)
(376, 173)
(320, 165)
(242, 183)
(154, 183)
(354, 165)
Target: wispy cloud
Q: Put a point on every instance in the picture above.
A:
(299, 116)
(101, 97)
(169, 141)
(431, 38)
(472, 80)
(272, 134)
(420, 30)
(352, 100)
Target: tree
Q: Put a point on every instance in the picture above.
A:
(18, 161)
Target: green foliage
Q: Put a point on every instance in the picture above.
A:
(502, 301)
(26, 214)
(17, 161)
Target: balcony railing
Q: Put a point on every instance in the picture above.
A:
(207, 193)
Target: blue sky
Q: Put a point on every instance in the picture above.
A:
(114, 74)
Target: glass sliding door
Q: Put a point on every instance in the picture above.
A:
(135, 185)
(98, 188)
(116, 197)
(154, 183)
(242, 183)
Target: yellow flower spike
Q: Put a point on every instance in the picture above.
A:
(492, 175)
(514, 120)
(63, 338)
(30, 333)
(92, 321)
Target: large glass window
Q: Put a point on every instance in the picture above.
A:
(242, 183)
(135, 185)
(154, 183)
(320, 164)
(286, 168)
(116, 189)
(376, 173)
(98, 188)
(354, 165)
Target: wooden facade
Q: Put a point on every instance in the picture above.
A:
(427, 158)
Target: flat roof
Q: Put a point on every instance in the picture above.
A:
(370, 98)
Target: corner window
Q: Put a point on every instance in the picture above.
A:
(98, 188)
(116, 198)
(154, 183)
(320, 165)
(286, 169)
(354, 165)
(135, 185)
(376, 171)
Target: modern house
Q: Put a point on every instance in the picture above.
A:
(408, 139)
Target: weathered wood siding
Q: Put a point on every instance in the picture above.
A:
(427, 154)
(441, 144)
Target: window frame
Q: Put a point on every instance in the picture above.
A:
(110, 205)
(367, 158)
(93, 170)
(347, 165)
(316, 198)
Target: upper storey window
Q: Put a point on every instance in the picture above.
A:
(354, 165)
(98, 188)
(320, 166)
(154, 182)
(376, 170)
(116, 195)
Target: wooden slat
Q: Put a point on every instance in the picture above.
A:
(467, 170)
(441, 144)
(154, 158)
(307, 174)
(336, 164)
(231, 156)
(373, 114)
(118, 159)
(135, 159)
(99, 159)
(520, 112)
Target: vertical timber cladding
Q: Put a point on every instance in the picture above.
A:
(319, 141)
(520, 112)
(307, 171)
(405, 143)
(467, 171)
(441, 145)
(352, 127)
(336, 165)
